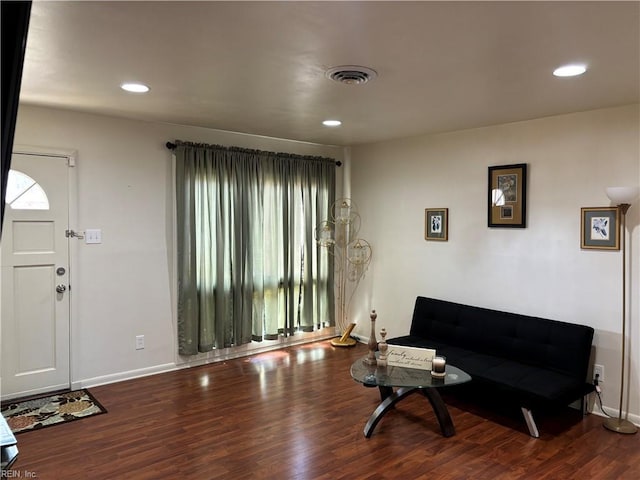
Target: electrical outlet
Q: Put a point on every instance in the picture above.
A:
(139, 342)
(599, 371)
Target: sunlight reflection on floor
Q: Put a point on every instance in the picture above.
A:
(204, 381)
(267, 361)
(263, 363)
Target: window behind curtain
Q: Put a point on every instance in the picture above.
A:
(248, 265)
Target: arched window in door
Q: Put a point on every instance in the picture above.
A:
(24, 193)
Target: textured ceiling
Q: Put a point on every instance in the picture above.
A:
(259, 67)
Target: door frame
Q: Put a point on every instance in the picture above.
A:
(72, 245)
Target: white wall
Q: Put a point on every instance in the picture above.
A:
(123, 287)
(540, 270)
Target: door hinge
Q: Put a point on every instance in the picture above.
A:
(73, 234)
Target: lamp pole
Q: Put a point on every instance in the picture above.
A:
(619, 424)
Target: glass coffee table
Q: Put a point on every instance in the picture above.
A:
(407, 381)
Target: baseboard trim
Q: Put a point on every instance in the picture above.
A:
(610, 412)
(184, 362)
(122, 376)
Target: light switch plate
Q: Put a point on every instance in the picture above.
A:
(93, 235)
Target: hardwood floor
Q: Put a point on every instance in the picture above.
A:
(297, 414)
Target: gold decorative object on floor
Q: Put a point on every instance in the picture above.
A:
(345, 340)
(352, 256)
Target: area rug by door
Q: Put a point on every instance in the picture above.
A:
(36, 413)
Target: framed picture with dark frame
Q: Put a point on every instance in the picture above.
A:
(600, 228)
(436, 224)
(507, 196)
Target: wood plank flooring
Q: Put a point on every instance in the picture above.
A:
(297, 414)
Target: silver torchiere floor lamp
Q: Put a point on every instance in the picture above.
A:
(622, 197)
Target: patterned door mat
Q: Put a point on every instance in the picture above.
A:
(36, 413)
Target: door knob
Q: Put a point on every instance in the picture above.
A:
(61, 288)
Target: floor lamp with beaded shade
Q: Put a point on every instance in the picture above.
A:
(622, 197)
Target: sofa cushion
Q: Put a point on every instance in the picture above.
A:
(559, 346)
(528, 383)
(530, 358)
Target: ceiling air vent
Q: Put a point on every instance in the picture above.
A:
(351, 74)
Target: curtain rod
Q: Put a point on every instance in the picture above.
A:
(172, 146)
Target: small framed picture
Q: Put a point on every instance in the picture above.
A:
(600, 228)
(436, 224)
(507, 202)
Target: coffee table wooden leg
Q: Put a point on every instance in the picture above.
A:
(385, 392)
(390, 398)
(441, 411)
(386, 405)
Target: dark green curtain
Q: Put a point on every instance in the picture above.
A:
(15, 25)
(248, 265)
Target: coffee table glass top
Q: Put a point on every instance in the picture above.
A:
(375, 376)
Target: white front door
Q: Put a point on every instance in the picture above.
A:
(35, 277)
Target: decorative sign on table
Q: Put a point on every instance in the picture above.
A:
(410, 357)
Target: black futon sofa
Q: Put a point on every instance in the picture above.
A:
(533, 361)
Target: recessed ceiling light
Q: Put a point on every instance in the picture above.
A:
(332, 123)
(135, 87)
(570, 70)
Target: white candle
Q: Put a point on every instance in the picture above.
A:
(438, 365)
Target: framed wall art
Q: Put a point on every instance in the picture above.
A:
(507, 200)
(436, 224)
(600, 228)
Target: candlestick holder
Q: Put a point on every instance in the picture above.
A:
(373, 343)
(382, 347)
